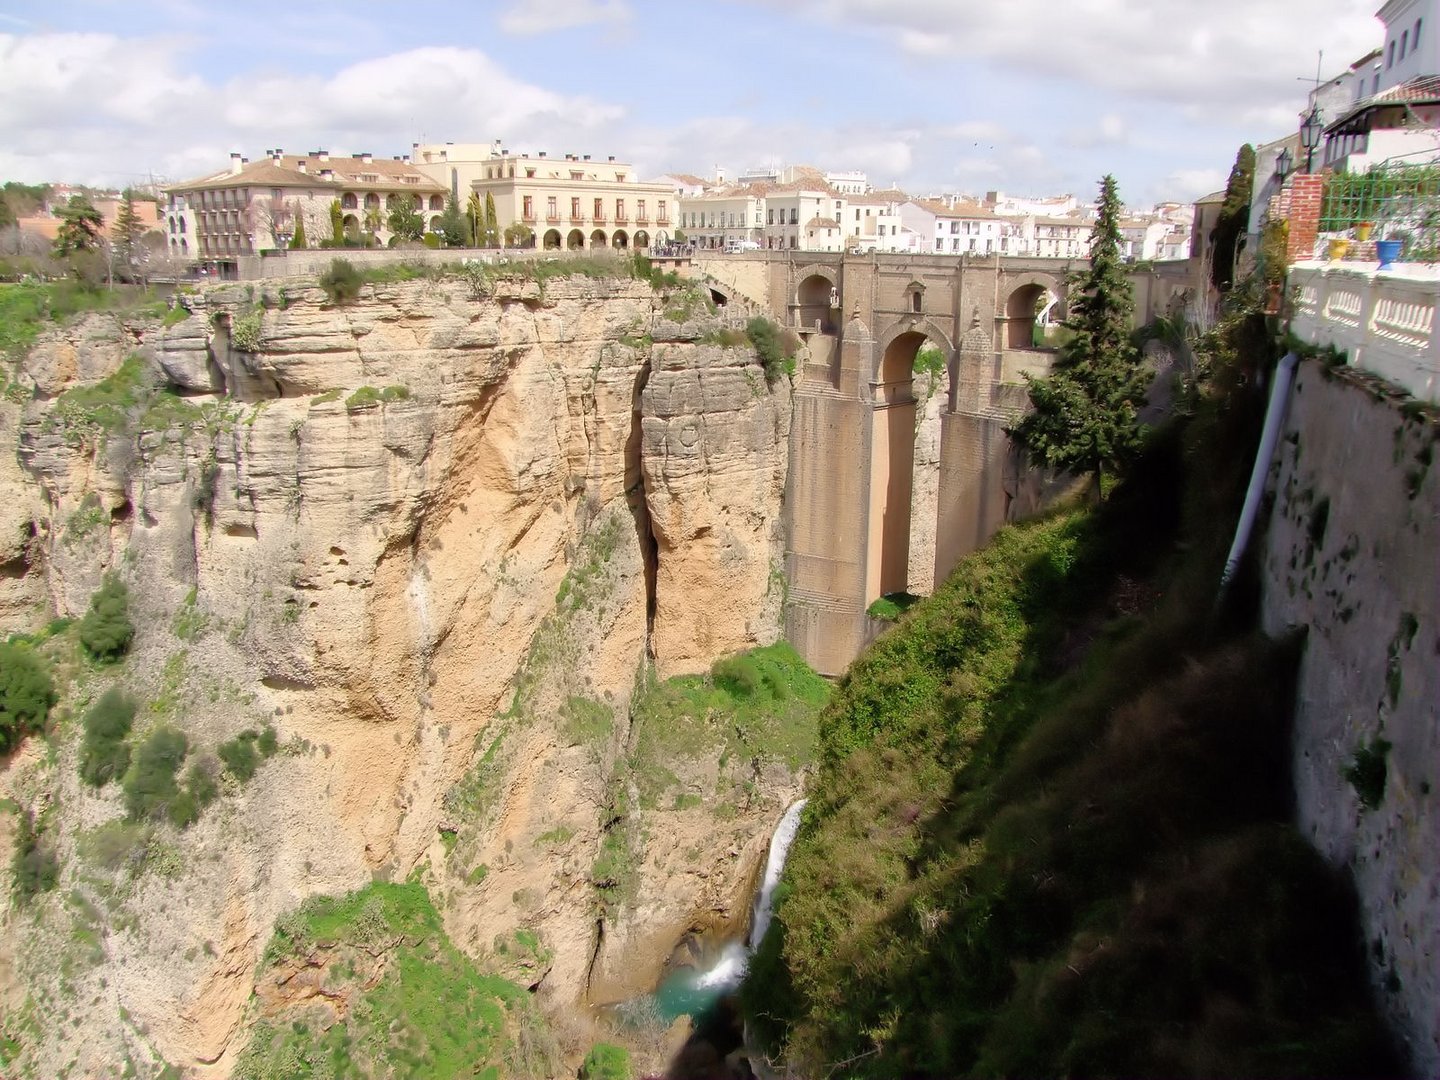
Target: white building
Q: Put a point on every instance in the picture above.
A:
(848, 183)
(962, 228)
(723, 217)
(1062, 238)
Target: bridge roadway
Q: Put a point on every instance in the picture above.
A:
(888, 489)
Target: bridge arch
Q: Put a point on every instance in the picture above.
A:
(1021, 293)
(922, 327)
(817, 296)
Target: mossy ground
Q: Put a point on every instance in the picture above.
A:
(1048, 834)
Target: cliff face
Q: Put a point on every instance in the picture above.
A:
(437, 537)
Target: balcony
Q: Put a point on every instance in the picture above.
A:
(1384, 321)
(622, 218)
(642, 219)
(600, 218)
(663, 220)
(528, 217)
(552, 219)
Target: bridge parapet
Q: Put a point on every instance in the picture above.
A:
(1384, 322)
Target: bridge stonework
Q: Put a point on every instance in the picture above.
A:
(866, 514)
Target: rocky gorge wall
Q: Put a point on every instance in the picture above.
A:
(439, 537)
(1350, 557)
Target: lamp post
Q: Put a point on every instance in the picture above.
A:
(1283, 161)
(1310, 129)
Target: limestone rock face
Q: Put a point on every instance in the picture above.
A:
(412, 532)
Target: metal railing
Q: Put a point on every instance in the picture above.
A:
(1398, 200)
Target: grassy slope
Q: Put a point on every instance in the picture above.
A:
(1048, 832)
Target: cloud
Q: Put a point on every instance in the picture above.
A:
(543, 16)
(1217, 58)
(1190, 184)
(104, 109)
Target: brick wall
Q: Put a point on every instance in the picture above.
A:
(1298, 202)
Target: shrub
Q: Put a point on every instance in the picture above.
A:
(199, 792)
(106, 630)
(26, 693)
(606, 1061)
(341, 281)
(367, 396)
(1367, 772)
(245, 331)
(34, 868)
(150, 783)
(104, 754)
(240, 756)
(764, 336)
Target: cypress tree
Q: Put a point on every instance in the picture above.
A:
(492, 225)
(1085, 417)
(337, 223)
(1234, 219)
(475, 216)
(298, 242)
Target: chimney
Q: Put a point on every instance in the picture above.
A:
(587, 157)
(234, 164)
(327, 174)
(542, 153)
(367, 157)
(303, 165)
(323, 155)
(611, 159)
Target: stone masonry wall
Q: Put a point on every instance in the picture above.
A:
(1351, 554)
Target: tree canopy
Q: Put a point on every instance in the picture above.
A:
(80, 225)
(454, 229)
(405, 220)
(1085, 412)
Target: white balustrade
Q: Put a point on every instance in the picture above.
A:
(1384, 321)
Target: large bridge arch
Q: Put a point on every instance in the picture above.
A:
(816, 297)
(920, 325)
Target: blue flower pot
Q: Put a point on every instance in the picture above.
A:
(1388, 251)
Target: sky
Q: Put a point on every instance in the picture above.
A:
(1030, 97)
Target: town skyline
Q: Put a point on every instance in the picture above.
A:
(957, 100)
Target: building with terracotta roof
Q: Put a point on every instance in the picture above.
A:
(952, 226)
(257, 205)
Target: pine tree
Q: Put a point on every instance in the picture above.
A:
(1085, 417)
(1234, 219)
(298, 242)
(405, 221)
(80, 225)
(127, 230)
(337, 223)
(492, 225)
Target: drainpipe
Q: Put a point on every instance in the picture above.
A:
(1269, 437)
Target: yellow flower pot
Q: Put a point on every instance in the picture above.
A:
(1362, 231)
(1338, 248)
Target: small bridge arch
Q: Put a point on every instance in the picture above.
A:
(1018, 314)
(816, 298)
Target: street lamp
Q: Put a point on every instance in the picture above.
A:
(1310, 129)
(1283, 161)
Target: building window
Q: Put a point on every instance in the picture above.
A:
(794, 216)
(552, 212)
(1390, 57)
(770, 215)
(619, 209)
(1416, 36)
(575, 208)
(640, 209)
(529, 174)
(662, 212)
(1404, 41)
(527, 208)
(599, 209)
(857, 214)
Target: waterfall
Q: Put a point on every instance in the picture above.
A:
(729, 969)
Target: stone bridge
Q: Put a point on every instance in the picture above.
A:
(896, 476)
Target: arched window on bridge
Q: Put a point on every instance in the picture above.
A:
(915, 297)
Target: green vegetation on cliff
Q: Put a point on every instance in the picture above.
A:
(411, 1004)
(1048, 832)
